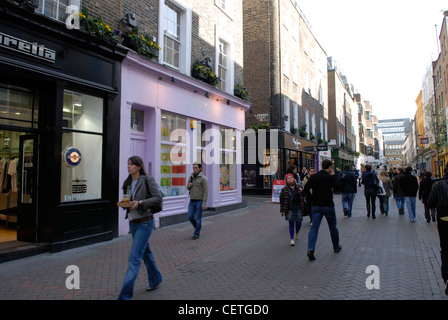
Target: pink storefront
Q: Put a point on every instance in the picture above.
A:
(171, 120)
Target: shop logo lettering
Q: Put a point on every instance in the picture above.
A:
(72, 21)
(221, 147)
(26, 47)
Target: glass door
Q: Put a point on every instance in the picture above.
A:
(27, 174)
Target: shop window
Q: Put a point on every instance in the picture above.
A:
(82, 147)
(18, 106)
(171, 122)
(173, 156)
(228, 166)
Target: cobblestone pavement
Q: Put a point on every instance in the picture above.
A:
(245, 255)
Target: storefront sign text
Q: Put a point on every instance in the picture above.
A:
(28, 48)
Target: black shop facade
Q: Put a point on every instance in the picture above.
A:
(59, 150)
(258, 176)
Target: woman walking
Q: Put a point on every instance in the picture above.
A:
(384, 199)
(145, 195)
(292, 205)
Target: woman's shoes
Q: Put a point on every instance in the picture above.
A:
(292, 243)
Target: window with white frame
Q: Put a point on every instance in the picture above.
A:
(171, 38)
(226, 6)
(221, 4)
(175, 34)
(223, 63)
(56, 9)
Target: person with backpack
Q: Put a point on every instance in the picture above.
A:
(145, 195)
(292, 206)
(370, 182)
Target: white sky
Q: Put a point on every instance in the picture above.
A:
(383, 47)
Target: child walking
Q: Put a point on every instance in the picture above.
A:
(292, 204)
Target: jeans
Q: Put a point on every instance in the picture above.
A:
(318, 213)
(195, 215)
(400, 203)
(410, 203)
(384, 204)
(370, 195)
(430, 212)
(140, 250)
(347, 202)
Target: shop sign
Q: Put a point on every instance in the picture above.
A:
(72, 157)
(28, 48)
(276, 190)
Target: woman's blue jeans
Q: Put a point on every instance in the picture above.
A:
(140, 251)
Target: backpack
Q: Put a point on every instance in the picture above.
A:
(381, 190)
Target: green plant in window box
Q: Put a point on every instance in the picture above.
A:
(204, 73)
(142, 43)
(241, 92)
(97, 27)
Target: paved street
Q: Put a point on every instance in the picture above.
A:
(245, 255)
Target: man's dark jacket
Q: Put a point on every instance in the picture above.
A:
(409, 185)
(323, 185)
(439, 197)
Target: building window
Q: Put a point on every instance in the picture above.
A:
(171, 43)
(221, 4)
(56, 9)
(82, 147)
(223, 63)
(175, 34)
(173, 157)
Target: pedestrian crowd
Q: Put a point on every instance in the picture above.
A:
(306, 193)
(311, 194)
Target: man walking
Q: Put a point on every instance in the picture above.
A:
(439, 198)
(348, 184)
(409, 185)
(198, 187)
(322, 185)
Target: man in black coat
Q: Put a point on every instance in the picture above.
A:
(423, 195)
(439, 198)
(322, 185)
(409, 186)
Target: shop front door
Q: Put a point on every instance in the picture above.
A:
(27, 198)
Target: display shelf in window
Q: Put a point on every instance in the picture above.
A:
(172, 176)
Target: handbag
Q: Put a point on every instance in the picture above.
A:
(158, 207)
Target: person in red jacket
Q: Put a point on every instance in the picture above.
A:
(292, 205)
